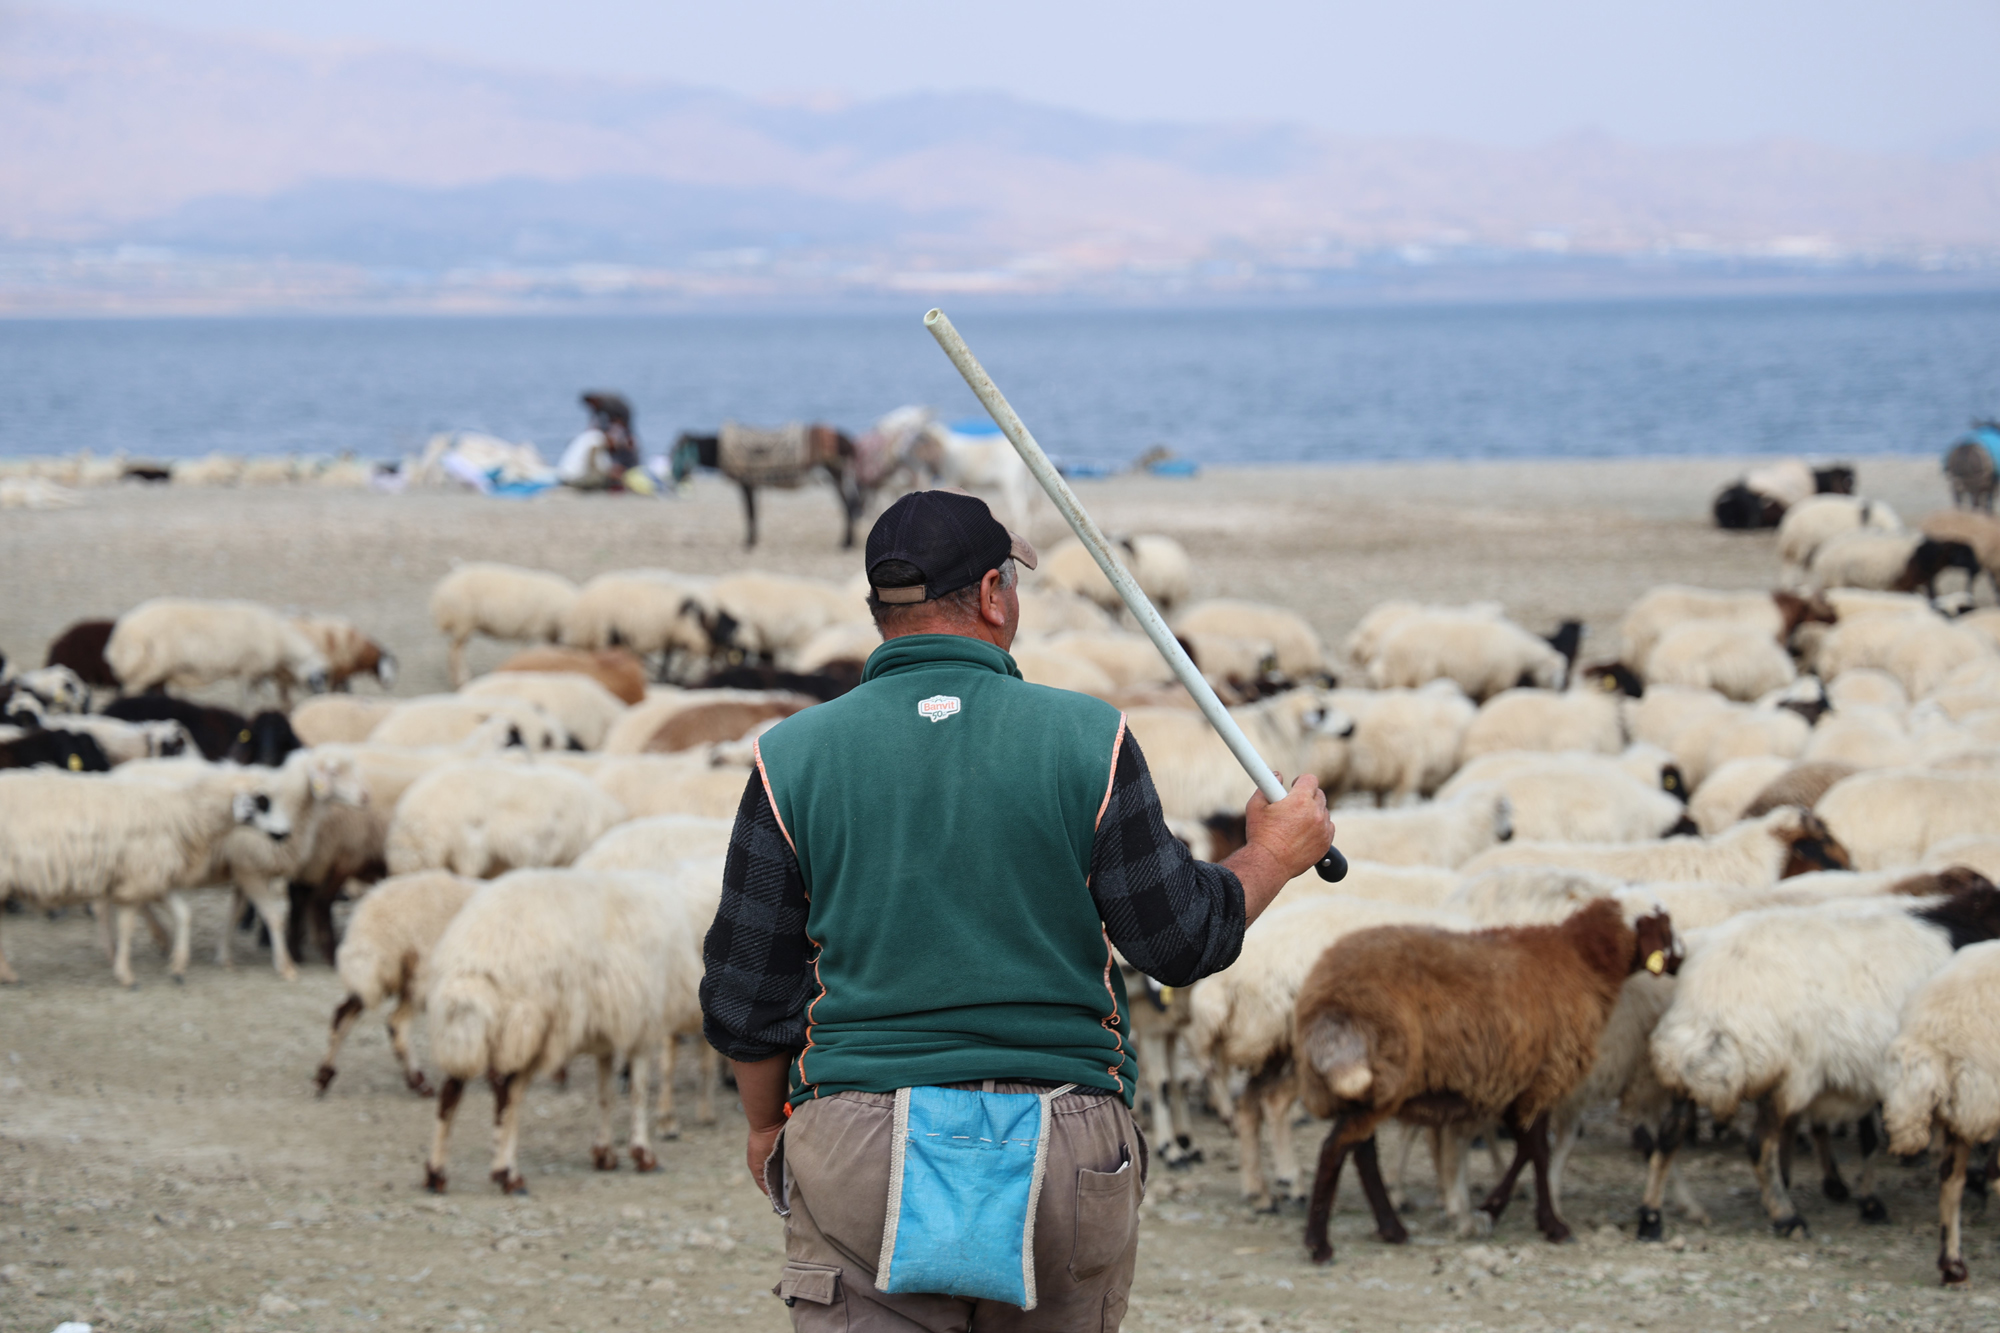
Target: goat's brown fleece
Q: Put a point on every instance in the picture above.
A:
(1507, 1019)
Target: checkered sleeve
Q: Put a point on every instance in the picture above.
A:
(756, 967)
(1174, 918)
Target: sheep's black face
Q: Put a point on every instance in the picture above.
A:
(1654, 948)
(1813, 847)
(1971, 917)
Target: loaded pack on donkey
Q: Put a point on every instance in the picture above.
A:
(785, 458)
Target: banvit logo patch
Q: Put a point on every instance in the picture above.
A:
(938, 707)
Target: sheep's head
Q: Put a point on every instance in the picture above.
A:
(335, 780)
(1811, 844)
(1794, 611)
(260, 811)
(1972, 915)
(1655, 948)
(1673, 782)
(1616, 678)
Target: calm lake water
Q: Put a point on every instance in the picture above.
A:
(1813, 375)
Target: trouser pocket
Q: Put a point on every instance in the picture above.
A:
(813, 1292)
(1107, 1209)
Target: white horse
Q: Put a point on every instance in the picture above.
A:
(969, 462)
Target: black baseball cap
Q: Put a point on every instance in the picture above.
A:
(951, 536)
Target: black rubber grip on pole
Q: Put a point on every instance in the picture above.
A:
(1333, 866)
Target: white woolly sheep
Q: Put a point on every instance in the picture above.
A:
(76, 838)
(393, 930)
(1928, 655)
(1755, 853)
(1406, 743)
(1786, 480)
(1815, 519)
(1864, 559)
(348, 652)
(679, 784)
(850, 641)
(1411, 885)
(446, 719)
(1045, 664)
(501, 602)
(1748, 733)
(1861, 736)
(1944, 1074)
(1196, 775)
(1795, 1008)
(1727, 792)
(656, 842)
(1481, 654)
(1659, 609)
(1291, 638)
(1129, 660)
(58, 689)
(1531, 719)
(485, 818)
(1366, 639)
(1893, 817)
(1737, 661)
(1159, 565)
(648, 611)
(544, 965)
(123, 742)
(584, 708)
(776, 615)
(188, 643)
(1242, 1019)
(330, 718)
(638, 726)
(1052, 612)
(1224, 657)
(1570, 797)
(1866, 687)
(1980, 851)
(1444, 833)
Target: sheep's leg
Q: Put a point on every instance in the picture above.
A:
(1536, 1145)
(1250, 1149)
(1830, 1183)
(708, 1064)
(183, 915)
(400, 1020)
(670, 1123)
(1157, 1071)
(1177, 1101)
(1451, 1150)
(1675, 1127)
(1279, 1102)
(1562, 1141)
(8, 976)
(434, 1175)
(509, 1091)
(1869, 1140)
(602, 1155)
(457, 660)
(1769, 1136)
(1503, 1193)
(1684, 1198)
(274, 905)
(749, 514)
(1951, 1199)
(641, 1150)
(1349, 1129)
(229, 928)
(1387, 1225)
(121, 950)
(160, 935)
(345, 1016)
(1397, 1180)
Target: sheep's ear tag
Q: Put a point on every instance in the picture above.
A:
(1656, 961)
(1608, 683)
(243, 737)
(76, 763)
(1166, 996)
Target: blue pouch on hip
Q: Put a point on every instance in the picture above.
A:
(965, 1176)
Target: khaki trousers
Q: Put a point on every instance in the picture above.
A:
(832, 1168)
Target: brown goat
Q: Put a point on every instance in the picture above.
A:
(1437, 1027)
(724, 720)
(618, 670)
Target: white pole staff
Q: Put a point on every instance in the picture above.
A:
(1331, 867)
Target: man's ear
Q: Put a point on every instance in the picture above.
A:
(991, 608)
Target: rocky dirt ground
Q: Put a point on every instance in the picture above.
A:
(165, 1166)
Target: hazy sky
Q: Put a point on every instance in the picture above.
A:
(1909, 74)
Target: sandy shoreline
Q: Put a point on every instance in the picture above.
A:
(1551, 540)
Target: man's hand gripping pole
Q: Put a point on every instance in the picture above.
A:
(1332, 866)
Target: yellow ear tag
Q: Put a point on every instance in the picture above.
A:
(243, 736)
(76, 763)
(1166, 996)
(1656, 961)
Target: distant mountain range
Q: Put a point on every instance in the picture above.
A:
(144, 164)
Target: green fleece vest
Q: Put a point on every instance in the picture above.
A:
(943, 814)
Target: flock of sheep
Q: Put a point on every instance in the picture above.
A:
(1746, 861)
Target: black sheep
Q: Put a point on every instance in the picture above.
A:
(81, 649)
(216, 731)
